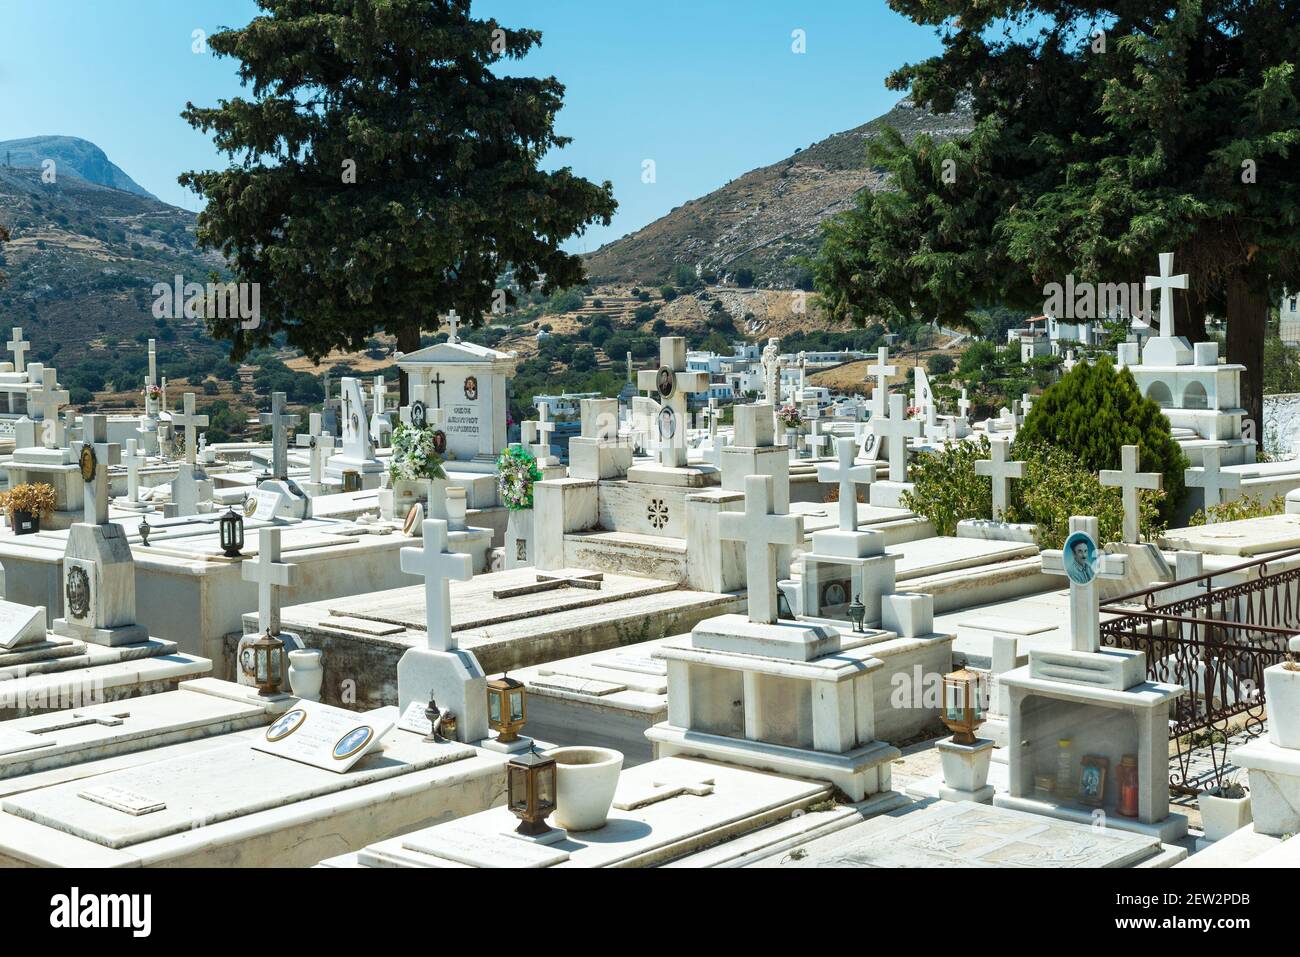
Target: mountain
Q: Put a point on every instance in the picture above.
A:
(83, 260)
(767, 218)
(72, 157)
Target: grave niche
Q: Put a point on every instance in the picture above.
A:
(717, 701)
(1091, 730)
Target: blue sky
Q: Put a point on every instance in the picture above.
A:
(708, 89)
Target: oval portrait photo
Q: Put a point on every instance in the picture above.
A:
(1080, 557)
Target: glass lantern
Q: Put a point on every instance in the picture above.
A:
(530, 785)
(351, 480)
(858, 614)
(268, 664)
(964, 693)
(507, 702)
(231, 526)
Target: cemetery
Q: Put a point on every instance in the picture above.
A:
(792, 532)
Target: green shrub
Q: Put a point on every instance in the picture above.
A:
(1249, 506)
(1056, 487)
(1092, 413)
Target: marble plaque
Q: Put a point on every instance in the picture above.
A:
(21, 624)
(413, 719)
(324, 737)
(120, 799)
(478, 849)
(268, 500)
(637, 664)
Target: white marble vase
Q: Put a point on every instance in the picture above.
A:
(585, 782)
(306, 674)
(1282, 692)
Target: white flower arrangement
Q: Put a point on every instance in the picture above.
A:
(414, 457)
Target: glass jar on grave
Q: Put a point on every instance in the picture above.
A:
(1126, 777)
(1065, 783)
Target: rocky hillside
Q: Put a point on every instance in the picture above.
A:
(767, 218)
(83, 260)
(71, 156)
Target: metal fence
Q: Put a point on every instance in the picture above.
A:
(1216, 643)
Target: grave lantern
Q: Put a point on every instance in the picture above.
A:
(351, 480)
(144, 529)
(507, 708)
(268, 663)
(963, 708)
(858, 614)
(232, 532)
(530, 783)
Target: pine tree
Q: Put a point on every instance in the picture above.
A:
(1105, 133)
(1096, 410)
(382, 174)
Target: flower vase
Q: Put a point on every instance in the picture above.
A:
(306, 674)
(519, 538)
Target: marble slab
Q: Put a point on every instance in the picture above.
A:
(204, 789)
(21, 624)
(1245, 538)
(972, 835)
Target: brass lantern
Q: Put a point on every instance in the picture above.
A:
(507, 708)
(231, 526)
(530, 787)
(964, 693)
(268, 663)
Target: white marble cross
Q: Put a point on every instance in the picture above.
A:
(1166, 282)
(318, 444)
(1129, 480)
(190, 422)
(380, 395)
(452, 322)
(43, 404)
(672, 363)
(1026, 403)
(1085, 620)
(271, 575)
(713, 414)
(882, 370)
(895, 430)
(849, 476)
(1210, 478)
(18, 347)
(544, 429)
(135, 458)
(963, 405)
(106, 454)
(279, 421)
(1001, 472)
(763, 532)
(439, 567)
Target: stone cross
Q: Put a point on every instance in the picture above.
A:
(135, 458)
(882, 370)
(43, 403)
(896, 429)
(713, 414)
(380, 392)
(318, 443)
(439, 568)
(1085, 620)
(453, 326)
(70, 430)
(963, 405)
(18, 347)
(849, 476)
(106, 454)
(279, 421)
(1026, 403)
(1129, 479)
(672, 370)
(1166, 282)
(1210, 478)
(190, 422)
(544, 429)
(763, 532)
(1001, 472)
(771, 362)
(1069, 360)
(271, 575)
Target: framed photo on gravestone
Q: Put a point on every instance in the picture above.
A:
(667, 381)
(667, 424)
(323, 736)
(420, 415)
(471, 388)
(871, 447)
(440, 442)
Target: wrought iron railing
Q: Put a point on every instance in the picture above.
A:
(1216, 643)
